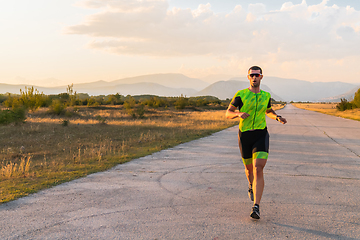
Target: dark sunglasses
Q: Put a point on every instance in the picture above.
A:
(255, 75)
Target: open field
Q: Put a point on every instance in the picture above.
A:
(330, 109)
(44, 152)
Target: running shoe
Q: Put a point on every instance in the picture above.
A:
(255, 212)
(251, 194)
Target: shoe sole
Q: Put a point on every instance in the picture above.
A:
(254, 215)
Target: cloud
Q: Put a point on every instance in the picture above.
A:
(123, 5)
(294, 32)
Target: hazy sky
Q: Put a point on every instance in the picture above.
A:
(57, 42)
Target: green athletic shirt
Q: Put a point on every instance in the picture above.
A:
(254, 104)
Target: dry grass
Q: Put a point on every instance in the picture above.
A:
(12, 169)
(315, 106)
(330, 109)
(43, 152)
(278, 106)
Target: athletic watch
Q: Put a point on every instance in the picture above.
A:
(277, 117)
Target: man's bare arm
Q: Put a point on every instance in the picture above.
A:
(231, 114)
(272, 114)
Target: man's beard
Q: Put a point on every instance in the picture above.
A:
(256, 84)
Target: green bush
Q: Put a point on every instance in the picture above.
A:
(65, 123)
(6, 116)
(344, 105)
(140, 111)
(15, 115)
(57, 107)
(91, 102)
(181, 103)
(129, 103)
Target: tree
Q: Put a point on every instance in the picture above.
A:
(356, 101)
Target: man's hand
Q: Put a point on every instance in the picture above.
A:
(282, 120)
(243, 115)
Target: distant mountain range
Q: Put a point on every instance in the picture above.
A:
(171, 80)
(349, 95)
(177, 84)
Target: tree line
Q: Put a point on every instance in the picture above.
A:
(17, 105)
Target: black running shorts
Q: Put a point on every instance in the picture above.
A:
(254, 145)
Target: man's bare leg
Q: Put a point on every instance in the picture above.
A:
(249, 172)
(258, 182)
(258, 186)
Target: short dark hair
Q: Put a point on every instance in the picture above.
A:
(255, 68)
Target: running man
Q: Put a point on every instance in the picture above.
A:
(253, 105)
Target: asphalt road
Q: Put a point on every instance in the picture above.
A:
(198, 190)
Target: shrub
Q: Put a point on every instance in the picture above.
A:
(129, 103)
(91, 102)
(65, 123)
(140, 111)
(5, 116)
(19, 114)
(181, 103)
(344, 105)
(15, 115)
(57, 107)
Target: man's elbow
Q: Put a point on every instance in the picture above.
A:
(229, 115)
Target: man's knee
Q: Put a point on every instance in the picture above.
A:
(259, 165)
(249, 169)
(258, 171)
